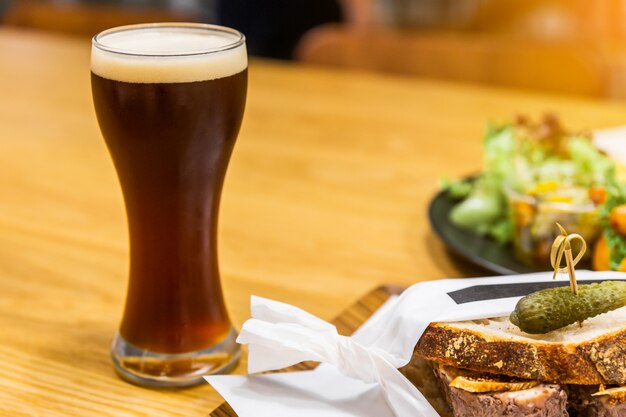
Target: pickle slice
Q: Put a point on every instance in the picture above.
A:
(554, 308)
(488, 385)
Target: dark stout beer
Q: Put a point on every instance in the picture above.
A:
(170, 123)
(171, 144)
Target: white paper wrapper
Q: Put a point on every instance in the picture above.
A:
(281, 335)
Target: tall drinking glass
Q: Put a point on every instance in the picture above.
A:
(169, 99)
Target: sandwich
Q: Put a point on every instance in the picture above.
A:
(493, 368)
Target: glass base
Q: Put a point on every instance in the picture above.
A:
(152, 369)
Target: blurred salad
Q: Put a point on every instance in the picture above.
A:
(533, 174)
(610, 250)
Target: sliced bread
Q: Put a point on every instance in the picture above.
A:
(592, 354)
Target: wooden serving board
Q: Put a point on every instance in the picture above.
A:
(347, 322)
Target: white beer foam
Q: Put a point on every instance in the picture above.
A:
(167, 55)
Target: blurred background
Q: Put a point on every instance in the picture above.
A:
(568, 46)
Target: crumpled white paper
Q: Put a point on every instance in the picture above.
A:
(281, 335)
(323, 392)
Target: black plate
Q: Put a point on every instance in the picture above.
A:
(479, 250)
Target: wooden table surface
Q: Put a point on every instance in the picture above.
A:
(325, 198)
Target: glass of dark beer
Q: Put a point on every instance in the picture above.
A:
(169, 99)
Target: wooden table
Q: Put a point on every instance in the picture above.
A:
(325, 199)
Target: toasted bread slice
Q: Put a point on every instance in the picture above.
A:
(592, 354)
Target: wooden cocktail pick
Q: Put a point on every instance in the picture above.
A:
(562, 246)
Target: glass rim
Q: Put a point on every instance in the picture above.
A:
(240, 40)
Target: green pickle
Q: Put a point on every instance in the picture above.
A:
(554, 308)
